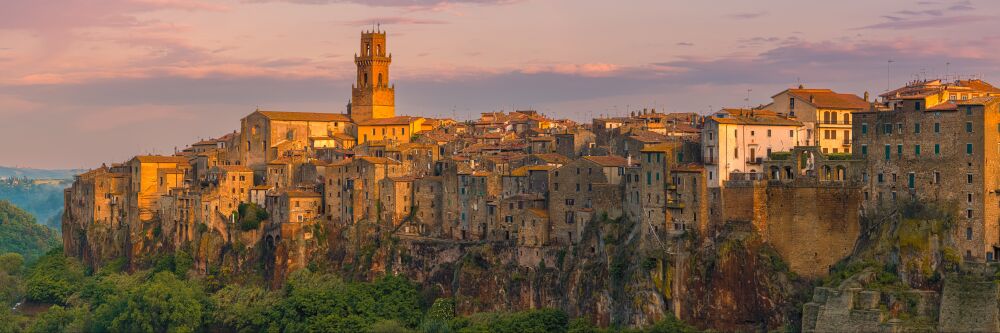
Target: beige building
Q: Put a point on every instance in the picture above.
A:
(825, 113)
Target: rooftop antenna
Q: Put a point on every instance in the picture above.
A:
(747, 100)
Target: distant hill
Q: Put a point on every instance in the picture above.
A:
(43, 198)
(20, 233)
(10, 172)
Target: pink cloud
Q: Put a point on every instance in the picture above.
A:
(590, 69)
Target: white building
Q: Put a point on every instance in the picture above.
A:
(736, 141)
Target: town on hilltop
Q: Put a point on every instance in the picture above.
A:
(373, 192)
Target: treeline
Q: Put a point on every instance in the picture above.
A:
(168, 299)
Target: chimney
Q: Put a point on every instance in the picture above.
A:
(812, 99)
(866, 96)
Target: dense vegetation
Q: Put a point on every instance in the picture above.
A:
(20, 234)
(166, 298)
(43, 200)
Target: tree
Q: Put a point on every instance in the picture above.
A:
(245, 308)
(59, 319)
(54, 278)
(163, 304)
(11, 263)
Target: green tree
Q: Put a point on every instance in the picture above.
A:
(11, 263)
(59, 319)
(21, 234)
(245, 308)
(54, 278)
(163, 304)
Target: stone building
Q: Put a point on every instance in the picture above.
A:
(946, 153)
(574, 143)
(372, 96)
(396, 197)
(572, 194)
(268, 135)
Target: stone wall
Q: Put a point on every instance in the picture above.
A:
(969, 306)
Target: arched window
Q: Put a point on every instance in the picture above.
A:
(365, 82)
(380, 79)
(826, 116)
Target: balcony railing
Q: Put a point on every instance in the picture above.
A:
(847, 142)
(835, 122)
(755, 160)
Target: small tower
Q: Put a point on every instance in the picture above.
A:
(372, 96)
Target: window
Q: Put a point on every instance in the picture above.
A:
(911, 181)
(916, 128)
(569, 202)
(968, 178)
(968, 148)
(937, 149)
(887, 128)
(968, 213)
(937, 127)
(916, 150)
(937, 177)
(888, 152)
(968, 109)
(751, 133)
(969, 197)
(649, 178)
(899, 151)
(916, 106)
(968, 233)
(881, 177)
(864, 128)
(864, 150)
(968, 127)
(791, 133)
(769, 133)
(736, 152)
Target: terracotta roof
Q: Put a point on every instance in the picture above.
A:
(648, 137)
(524, 171)
(742, 120)
(343, 136)
(977, 101)
(378, 160)
(828, 99)
(161, 159)
(946, 106)
(608, 161)
(541, 138)
(211, 142)
(304, 116)
(400, 120)
(553, 158)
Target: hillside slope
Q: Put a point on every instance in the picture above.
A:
(21, 234)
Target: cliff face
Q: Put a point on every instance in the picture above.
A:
(619, 273)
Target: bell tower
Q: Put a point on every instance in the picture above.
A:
(372, 96)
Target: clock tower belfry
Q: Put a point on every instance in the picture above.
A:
(372, 96)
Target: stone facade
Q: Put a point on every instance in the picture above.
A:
(946, 154)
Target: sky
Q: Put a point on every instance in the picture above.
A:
(89, 81)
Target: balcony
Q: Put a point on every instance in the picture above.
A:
(755, 160)
(674, 204)
(835, 122)
(847, 142)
